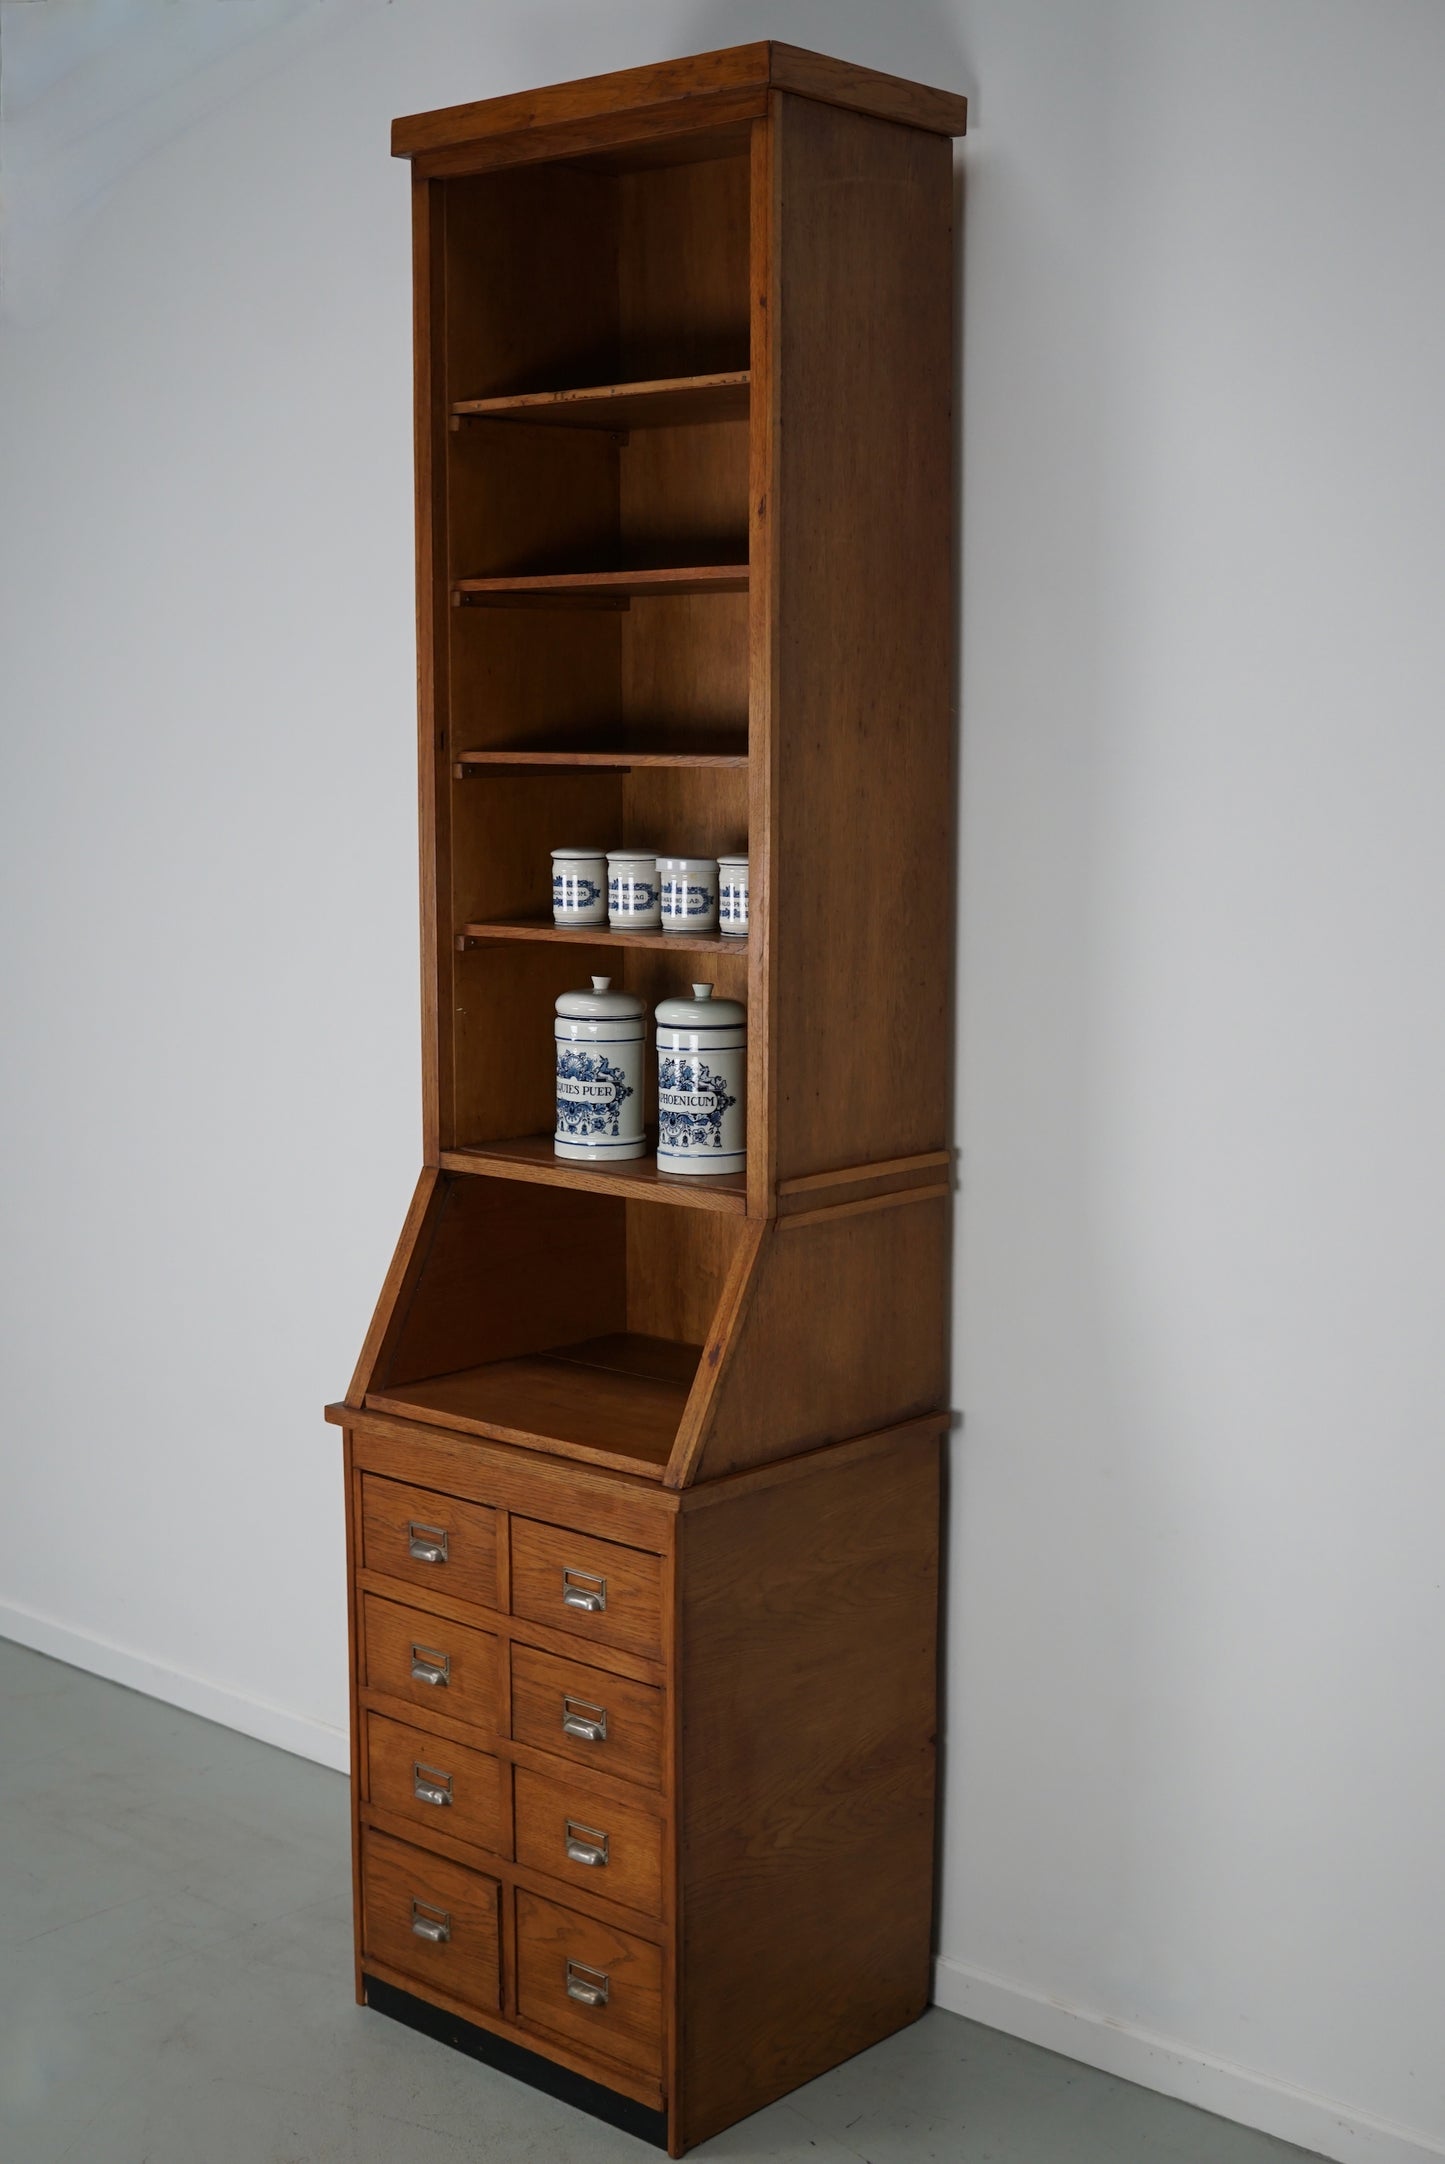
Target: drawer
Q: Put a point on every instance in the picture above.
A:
(570, 1832)
(431, 1919)
(439, 1786)
(429, 1539)
(600, 1987)
(432, 1662)
(606, 1593)
(602, 1721)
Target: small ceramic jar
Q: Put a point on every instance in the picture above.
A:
(732, 907)
(633, 896)
(689, 893)
(599, 1038)
(702, 1064)
(579, 887)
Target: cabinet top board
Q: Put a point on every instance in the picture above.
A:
(706, 90)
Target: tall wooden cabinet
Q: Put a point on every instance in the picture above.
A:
(642, 1474)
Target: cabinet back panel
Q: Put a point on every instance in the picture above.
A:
(677, 1261)
(504, 829)
(531, 281)
(556, 276)
(683, 269)
(533, 677)
(689, 811)
(487, 1285)
(528, 500)
(506, 997)
(684, 664)
(686, 488)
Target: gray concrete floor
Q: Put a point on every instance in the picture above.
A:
(175, 1988)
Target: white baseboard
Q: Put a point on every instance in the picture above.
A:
(293, 1732)
(1160, 2062)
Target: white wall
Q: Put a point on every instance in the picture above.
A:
(1194, 1752)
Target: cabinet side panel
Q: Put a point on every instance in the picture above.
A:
(434, 804)
(846, 1331)
(808, 1678)
(862, 922)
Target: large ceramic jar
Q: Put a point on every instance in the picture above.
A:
(599, 1037)
(702, 1061)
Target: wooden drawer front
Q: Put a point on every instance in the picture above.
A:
(548, 1692)
(432, 1662)
(609, 1848)
(429, 1539)
(607, 1593)
(431, 1919)
(557, 1949)
(439, 1786)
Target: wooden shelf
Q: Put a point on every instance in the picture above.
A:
(613, 1401)
(618, 758)
(600, 589)
(532, 1157)
(597, 935)
(667, 402)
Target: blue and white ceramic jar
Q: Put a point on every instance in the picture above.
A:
(689, 893)
(732, 877)
(599, 1037)
(579, 887)
(702, 1067)
(634, 897)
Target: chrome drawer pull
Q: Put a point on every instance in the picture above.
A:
(585, 1844)
(588, 1987)
(429, 1666)
(426, 1543)
(434, 1925)
(587, 1723)
(428, 1785)
(584, 1589)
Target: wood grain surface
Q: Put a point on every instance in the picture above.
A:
(548, 1805)
(398, 1639)
(807, 1675)
(390, 1509)
(626, 1580)
(628, 2026)
(694, 85)
(543, 1682)
(400, 1758)
(464, 1903)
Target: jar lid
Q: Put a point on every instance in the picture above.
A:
(600, 1004)
(702, 1011)
(739, 856)
(579, 852)
(632, 856)
(685, 864)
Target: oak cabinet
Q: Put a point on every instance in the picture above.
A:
(643, 1548)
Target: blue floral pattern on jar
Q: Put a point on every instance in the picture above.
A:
(640, 898)
(694, 1118)
(733, 905)
(584, 893)
(680, 899)
(601, 1091)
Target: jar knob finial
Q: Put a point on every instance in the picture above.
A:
(601, 984)
(702, 991)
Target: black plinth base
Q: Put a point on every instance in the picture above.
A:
(521, 2064)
